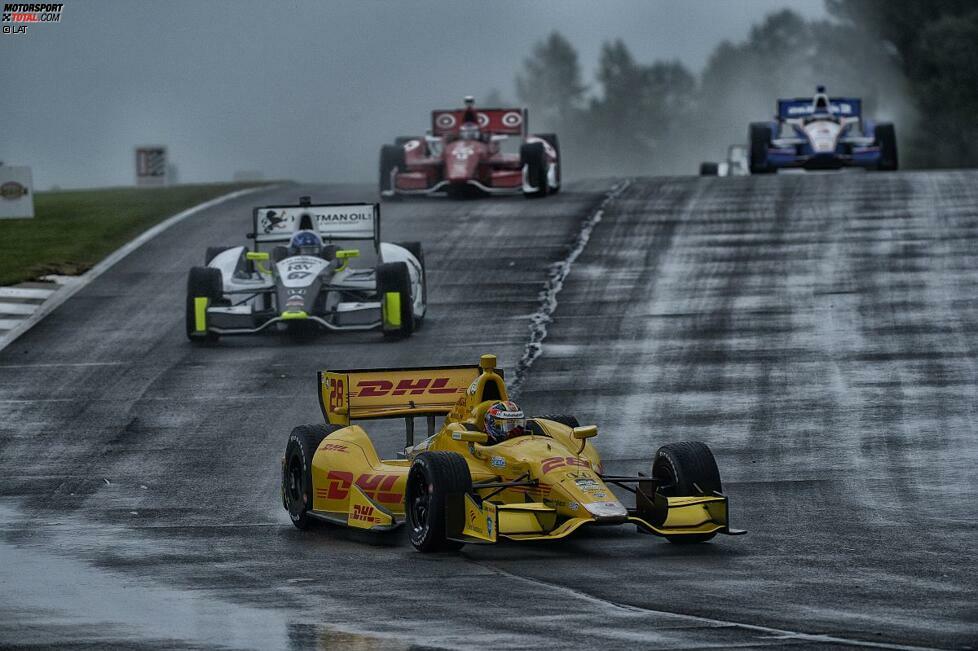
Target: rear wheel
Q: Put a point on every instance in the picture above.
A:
(394, 290)
(391, 159)
(432, 478)
(418, 252)
(709, 169)
(202, 283)
(533, 159)
(687, 469)
(297, 471)
(886, 139)
(759, 139)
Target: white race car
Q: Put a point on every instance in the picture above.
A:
(326, 269)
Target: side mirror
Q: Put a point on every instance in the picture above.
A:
(470, 437)
(585, 432)
(257, 256)
(344, 256)
(250, 236)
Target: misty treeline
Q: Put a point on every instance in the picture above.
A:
(912, 62)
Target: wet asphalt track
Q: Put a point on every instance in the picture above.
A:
(816, 330)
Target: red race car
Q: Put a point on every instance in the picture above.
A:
(465, 153)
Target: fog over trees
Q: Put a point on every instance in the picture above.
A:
(913, 63)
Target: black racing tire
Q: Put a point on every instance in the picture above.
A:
(569, 421)
(213, 252)
(709, 169)
(759, 138)
(395, 277)
(202, 282)
(391, 158)
(297, 489)
(418, 252)
(432, 478)
(552, 139)
(689, 469)
(886, 139)
(534, 158)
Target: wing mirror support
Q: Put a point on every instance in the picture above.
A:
(583, 433)
(470, 437)
(345, 255)
(258, 257)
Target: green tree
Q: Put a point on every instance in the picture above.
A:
(936, 45)
(550, 82)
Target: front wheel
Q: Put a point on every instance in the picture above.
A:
(418, 252)
(886, 139)
(687, 469)
(759, 139)
(204, 287)
(432, 478)
(533, 158)
(396, 307)
(391, 161)
(552, 139)
(297, 471)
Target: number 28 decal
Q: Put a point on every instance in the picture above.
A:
(336, 397)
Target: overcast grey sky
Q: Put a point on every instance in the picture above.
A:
(302, 90)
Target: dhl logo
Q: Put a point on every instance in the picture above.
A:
(376, 486)
(553, 463)
(333, 447)
(378, 388)
(363, 513)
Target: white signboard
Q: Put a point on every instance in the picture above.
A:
(16, 192)
(341, 222)
(151, 165)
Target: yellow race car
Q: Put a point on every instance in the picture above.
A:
(456, 487)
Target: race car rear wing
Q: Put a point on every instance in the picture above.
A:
(333, 221)
(503, 121)
(800, 107)
(392, 392)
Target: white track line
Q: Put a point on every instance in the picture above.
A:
(25, 292)
(555, 282)
(776, 633)
(19, 328)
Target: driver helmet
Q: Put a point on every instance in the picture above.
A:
(468, 131)
(504, 420)
(305, 243)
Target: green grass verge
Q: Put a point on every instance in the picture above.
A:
(72, 230)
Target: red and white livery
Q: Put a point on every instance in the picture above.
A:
(465, 152)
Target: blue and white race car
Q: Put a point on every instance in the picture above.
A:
(821, 132)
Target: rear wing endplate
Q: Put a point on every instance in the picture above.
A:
(392, 393)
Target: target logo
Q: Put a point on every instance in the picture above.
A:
(483, 120)
(512, 119)
(445, 121)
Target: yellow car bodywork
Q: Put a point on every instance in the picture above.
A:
(543, 485)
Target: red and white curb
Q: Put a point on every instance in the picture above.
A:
(23, 306)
